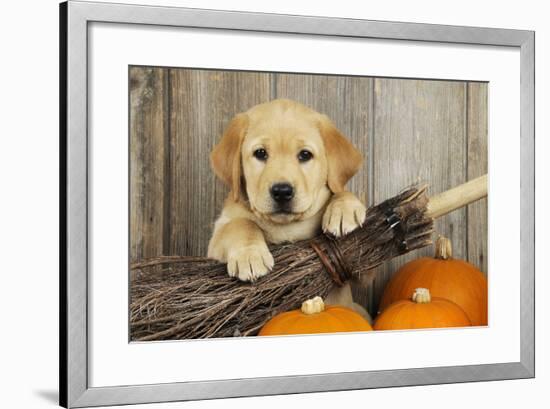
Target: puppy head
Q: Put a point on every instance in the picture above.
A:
(286, 159)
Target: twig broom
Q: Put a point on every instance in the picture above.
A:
(175, 297)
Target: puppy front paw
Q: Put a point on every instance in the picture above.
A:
(250, 262)
(344, 214)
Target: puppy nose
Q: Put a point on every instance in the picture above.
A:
(282, 192)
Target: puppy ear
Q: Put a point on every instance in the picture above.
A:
(343, 159)
(225, 158)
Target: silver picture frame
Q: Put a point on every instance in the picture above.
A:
(75, 16)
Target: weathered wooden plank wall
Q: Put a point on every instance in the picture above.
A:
(148, 134)
(408, 131)
(477, 165)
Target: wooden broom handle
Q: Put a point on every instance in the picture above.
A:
(457, 197)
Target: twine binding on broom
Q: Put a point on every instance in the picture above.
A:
(333, 260)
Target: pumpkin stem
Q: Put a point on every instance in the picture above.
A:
(313, 306)
(443, 248)
(421, 296)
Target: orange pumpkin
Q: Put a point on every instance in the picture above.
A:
(455, 280)
(421, 311)
(315, 318)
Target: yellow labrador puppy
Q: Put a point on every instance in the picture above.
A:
(287, 166)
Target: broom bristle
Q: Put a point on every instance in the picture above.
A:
(190, 297)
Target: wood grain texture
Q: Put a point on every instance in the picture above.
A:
(348, 102)
(202, 104)
(419, 136)
(477, 166)
(148, 133)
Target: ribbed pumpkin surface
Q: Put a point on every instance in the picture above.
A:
(407, 314)
(452, 279)
(333, 319)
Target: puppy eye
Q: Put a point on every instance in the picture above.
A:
(260, 154)
(305, 155)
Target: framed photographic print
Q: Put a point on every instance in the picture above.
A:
(258, 204)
